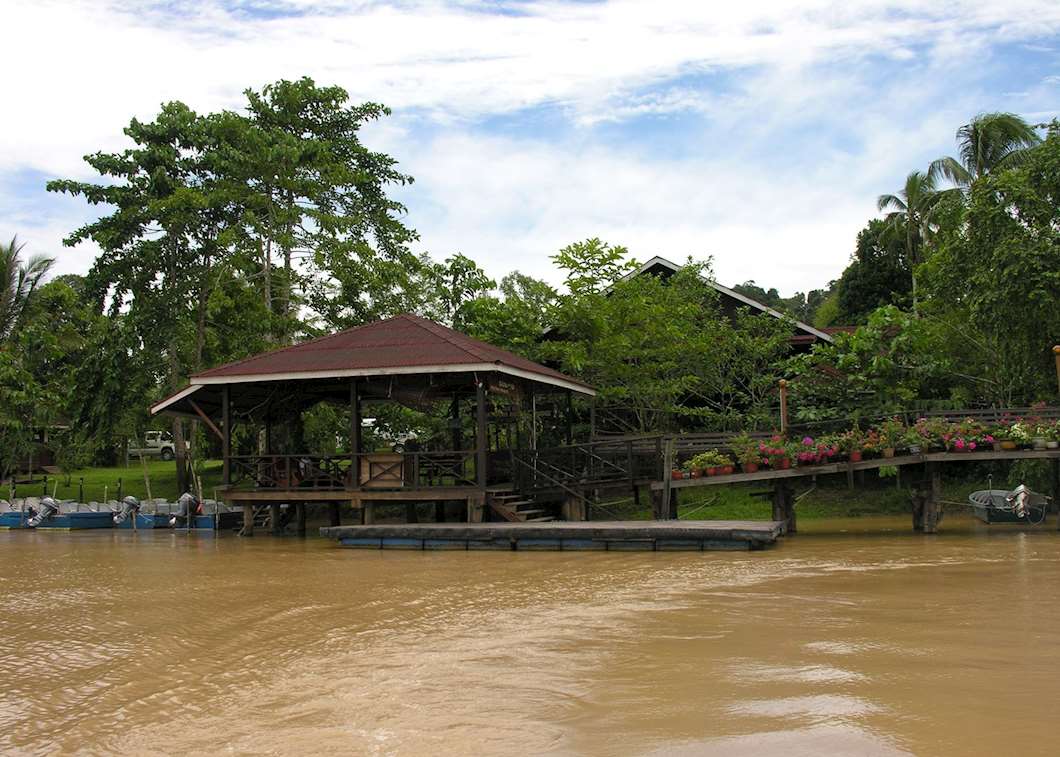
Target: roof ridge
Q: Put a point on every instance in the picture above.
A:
(444, 332)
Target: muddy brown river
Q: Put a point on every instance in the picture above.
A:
(854, 637)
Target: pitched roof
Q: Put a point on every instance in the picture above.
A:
(405, 344)
(658, 262)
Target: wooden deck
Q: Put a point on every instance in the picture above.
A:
(845, 467)
(672, 535)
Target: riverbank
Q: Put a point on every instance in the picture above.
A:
(97, 484)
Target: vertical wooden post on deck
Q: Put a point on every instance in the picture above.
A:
(299, 518)
(663, 509)
(1056, 490)
(355, 434)
(783, 406)
(334, 514)
(1056, 356)
(454, 424)
(931, 499)
(570, 417)
(226, 431)
(274, 517)
(592, 419)
(481, 438)
(248, 519)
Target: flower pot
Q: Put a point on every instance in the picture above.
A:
(998, 446)
(712, 471)
(888, 451)
(1052, 445)
(1008, 445)
(726, 470)
(1039, 442)
(749, 467)
(694, 474)
(855, 456)
(784, 464)
(676, 475)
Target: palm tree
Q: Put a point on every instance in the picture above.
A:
(911, 215)
(990, 142)
(18, 285)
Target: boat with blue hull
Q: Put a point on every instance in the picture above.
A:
(46, 513)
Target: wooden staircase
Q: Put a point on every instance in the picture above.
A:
(512, 506)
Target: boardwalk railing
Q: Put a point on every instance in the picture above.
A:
(373, 470)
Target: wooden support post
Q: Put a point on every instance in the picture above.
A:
(299, 515)
(916, 497)
(248, 520)
(439, 512)
(355, 433)
(784, 506)
(783, 406)
(931, 501)
(663, 509)
(592, 419)
(671, 512)
(850, 476)
(570, 417)
(334, 514)
(481, 437)
(368, 510)
(226, 439)
(657, 504)
(410, 513)
(1056, 356)
(274, 517)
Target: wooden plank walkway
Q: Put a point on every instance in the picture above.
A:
(658, 535)
(843, 467)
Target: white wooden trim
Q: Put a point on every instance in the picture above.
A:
(198, 381)
(163, 404)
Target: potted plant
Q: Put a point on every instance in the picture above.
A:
(775, 452)
(892, 436)
(851, 444)
(1020, 434)
(746, 451)
(1052, 439)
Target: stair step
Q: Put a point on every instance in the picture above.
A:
(505, 497)
(527, 513)
(544, 519)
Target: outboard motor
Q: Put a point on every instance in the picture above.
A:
(187, 507)
(130, 506)
(48, 508)
(1019, 498)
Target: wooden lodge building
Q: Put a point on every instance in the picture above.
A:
(407, 360)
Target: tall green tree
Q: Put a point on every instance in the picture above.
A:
(910, 217)
(160, 243)
(878, 274)
(988, 143)
(19, 281)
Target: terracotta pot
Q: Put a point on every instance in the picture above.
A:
(855, 456)
(712, 471)
(888, 451)
(676, 475)
(1008, 445)
(694, 473)
(784, 464)
(749, 467)
(727, 470)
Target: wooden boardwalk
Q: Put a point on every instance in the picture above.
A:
(803, 471)
(672, 535)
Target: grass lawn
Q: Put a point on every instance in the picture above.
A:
(162, 475)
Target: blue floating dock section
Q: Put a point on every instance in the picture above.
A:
(562, 536)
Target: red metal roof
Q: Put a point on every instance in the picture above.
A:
(400, 344)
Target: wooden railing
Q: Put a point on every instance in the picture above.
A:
(368, 470)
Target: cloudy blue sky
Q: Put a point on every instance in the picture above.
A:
(757, 133)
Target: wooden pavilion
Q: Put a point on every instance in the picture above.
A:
(254, 407)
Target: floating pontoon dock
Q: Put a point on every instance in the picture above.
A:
(686, 535)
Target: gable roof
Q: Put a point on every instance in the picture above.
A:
(404, 344)
(663, 263)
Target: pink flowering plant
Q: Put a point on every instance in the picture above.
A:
(775, 451)
(812, 451)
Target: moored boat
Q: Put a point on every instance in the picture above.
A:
(1021, 505)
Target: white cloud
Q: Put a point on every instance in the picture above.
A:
(795, 145)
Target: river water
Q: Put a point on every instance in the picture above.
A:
(853, 637)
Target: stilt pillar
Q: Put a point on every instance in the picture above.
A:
(368, 508)
(931, 500)
(784, 506)
(248, 520)
(299, 515)
(410, 513)
(439, 512)
(334, 514)
(274, 517)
